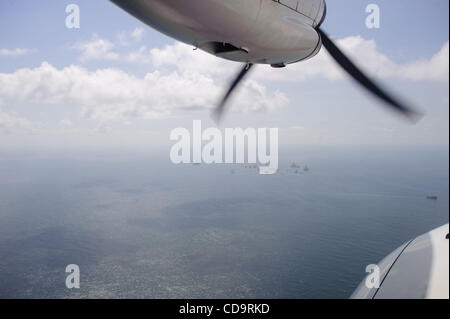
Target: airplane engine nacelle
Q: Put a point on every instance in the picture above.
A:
(256, 31)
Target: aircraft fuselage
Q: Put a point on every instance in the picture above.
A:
(251, 31)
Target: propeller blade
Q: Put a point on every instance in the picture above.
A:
(364, 80)
(221, 107)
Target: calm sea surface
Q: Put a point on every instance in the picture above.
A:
(140, 227)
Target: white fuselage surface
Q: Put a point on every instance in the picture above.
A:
(250, 31)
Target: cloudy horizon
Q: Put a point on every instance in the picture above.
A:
(123, 82)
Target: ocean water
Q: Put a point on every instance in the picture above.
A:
(141, 227)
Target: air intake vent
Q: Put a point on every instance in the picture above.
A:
(220, 48)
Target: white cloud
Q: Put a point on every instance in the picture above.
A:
(8, 122)
(65, 123)
(138, 34)
(185, 59)
(366, 54)
(141, 56)
(96, 49)
(14, 52)
(112, 94)
(186, 79)
(437, 68)
(123, 38)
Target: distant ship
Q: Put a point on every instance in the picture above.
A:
(294, 165)
(432, 197)
(306, 169)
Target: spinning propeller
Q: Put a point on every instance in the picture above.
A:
(349, 67)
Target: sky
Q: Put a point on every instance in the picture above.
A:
(116, 83)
